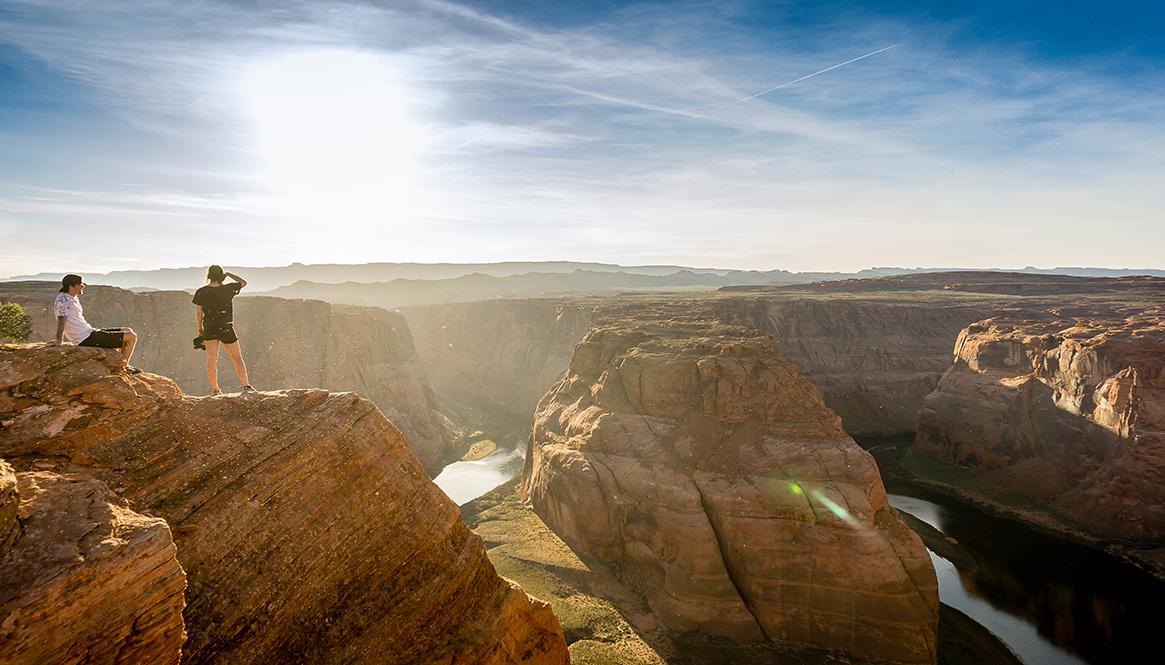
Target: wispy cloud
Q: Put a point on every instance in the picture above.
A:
(430, 130)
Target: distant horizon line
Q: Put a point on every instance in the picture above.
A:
(678, 267)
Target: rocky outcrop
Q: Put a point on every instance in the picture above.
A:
(873, 362)
(1068, 411)
(286, 344)
(82, 578)
(307, 529)
(696, 452)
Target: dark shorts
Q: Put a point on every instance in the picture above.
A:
(223, 332)
(106, 338)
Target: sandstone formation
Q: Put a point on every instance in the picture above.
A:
(873, 362)
(307, 529)
(286, 344)
(83, 579)
(1067, 409)
(696, 452)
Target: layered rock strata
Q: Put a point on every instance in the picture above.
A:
(286, 344)
(874, 363)
(697, 452)
(83, 579)
(1068, 411)
(307, 529)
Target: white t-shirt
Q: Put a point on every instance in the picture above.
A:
(76, 327)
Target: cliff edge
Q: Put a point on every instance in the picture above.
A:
(307, 529)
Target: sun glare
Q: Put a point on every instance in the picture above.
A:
(333, 130)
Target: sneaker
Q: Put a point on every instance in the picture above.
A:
(249, 389)
(215, 393)
(130, 369)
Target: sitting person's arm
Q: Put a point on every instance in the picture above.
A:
(60, 329)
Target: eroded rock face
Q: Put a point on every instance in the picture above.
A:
(874, 363)
(696, 451)
(84, 579)
(307, 528)
(286, 344)
(1065, 409)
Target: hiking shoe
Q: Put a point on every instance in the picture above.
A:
(130, 369)
(249, 389)
(215, 393)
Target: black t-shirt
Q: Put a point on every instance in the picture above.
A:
(216, 303)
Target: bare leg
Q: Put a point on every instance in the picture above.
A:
(212, 363)
(129, 339)
(236, 355)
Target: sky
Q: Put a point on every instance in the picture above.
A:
(169, 133)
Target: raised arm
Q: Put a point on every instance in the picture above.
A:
(242, 282)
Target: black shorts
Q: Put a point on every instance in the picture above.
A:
(223, 332)
(106, 338)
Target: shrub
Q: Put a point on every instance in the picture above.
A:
(15, 323)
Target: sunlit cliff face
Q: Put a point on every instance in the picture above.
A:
(333, 131)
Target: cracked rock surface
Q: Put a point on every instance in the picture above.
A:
(307, 529)
(84, 579)
(695, 452)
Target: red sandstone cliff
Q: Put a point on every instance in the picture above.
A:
(695, 451)
(286, 343)
(307, 529)
(1068, 411)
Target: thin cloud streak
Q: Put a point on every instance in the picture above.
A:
(785, 85)
(537, 142)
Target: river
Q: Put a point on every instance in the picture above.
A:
(1051, 601)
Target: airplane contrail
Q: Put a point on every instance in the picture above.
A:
(785, 85)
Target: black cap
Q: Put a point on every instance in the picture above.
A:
(68, 281)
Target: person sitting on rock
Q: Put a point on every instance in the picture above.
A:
(71, 324)
(213, 312)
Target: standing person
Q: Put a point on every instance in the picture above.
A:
(71, 324)
(214, 315)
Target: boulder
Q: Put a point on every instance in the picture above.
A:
(84, 579)
(694, 451)
(307, 528)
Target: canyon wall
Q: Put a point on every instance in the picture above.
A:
(695, 452)
(285, 343)
(307, 530)
(873, 362)
(506, 352)
(1067, 410)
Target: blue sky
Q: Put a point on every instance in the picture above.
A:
(175, 133)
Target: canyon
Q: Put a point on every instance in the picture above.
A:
(274, 526)
(1041, 393)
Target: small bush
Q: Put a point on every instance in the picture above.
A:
(15, 323)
